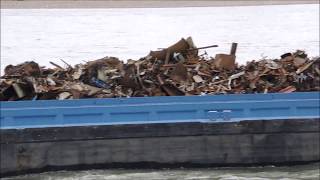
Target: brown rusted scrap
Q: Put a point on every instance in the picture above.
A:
(178, 47)
(288, 89)
(204, 47)
(174, 71)
(25, 69)
(184, 47)
(226, 61)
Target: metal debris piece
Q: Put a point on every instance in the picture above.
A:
(78, 73)
(19, 91)
(25, 69)
(51, 82)
(305, 66)
(197, 79)
(99, 83)
(298, 61)
(225, 61)
(234, 76)
(181, 46)
(180, 73)
(64, 95)
(299, 78)
(286, 56)
(178, 57)
(288, 89)
(56, 65)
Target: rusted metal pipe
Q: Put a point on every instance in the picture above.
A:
(204, 47)
(233, 49)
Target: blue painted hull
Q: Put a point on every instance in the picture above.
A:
(220, 108)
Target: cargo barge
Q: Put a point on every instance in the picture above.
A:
(149, 132)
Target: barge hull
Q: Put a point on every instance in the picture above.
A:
(245, 143)
(192, 131)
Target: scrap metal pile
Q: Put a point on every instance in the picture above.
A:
(174, 71)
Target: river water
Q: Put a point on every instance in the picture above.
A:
(301, 172)
(78, 35)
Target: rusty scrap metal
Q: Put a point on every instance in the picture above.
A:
(174, 71)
